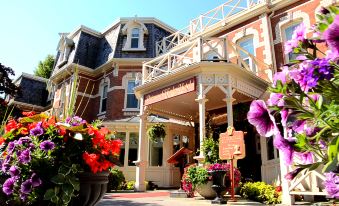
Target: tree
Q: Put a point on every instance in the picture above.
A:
(6, 84)
(45, 67)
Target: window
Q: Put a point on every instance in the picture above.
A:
(131, 100)
(133, 148)
(270, 149)
(288, 31)
(122, 137)
(62, 101)
(104, 98)
(135, 38)
(247, 45)
(155, 153)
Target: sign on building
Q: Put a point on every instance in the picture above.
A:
(232, 145)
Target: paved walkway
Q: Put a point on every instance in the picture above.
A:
(157, 198)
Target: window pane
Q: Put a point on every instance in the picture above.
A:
(247, 45)
(132, 101)
(131, 85)
(133, 148)
(155, 153)
(289, 31)
(122, 137)
(134, 42)
(104, 91)
(103, 105)
(135, 32)
(270, 149)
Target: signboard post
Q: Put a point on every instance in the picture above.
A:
(232, 146)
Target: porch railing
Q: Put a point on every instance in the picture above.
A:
(204, 49)
(205, 22)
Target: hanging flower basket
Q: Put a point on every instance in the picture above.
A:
(156, 132)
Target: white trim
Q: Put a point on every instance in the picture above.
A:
(289, 19)
(251, 64)
(30, 76)
(128, 29)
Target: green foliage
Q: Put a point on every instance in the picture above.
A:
(130, 185)
(45, 67)
(116, 180)
(6, 84)
(261, 192)
(211, 150)
(197, 175)
(156, 132)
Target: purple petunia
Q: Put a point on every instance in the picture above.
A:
(291, 175)
(25, 156)
(284, 115)
(260, 117)
(8, 186)
(298, 35)
(47, 145)
(23, 140)
(14, 171)
(305, 76)
(332, 184)
(304, 157)
(280, 76)
(26, 187)
(75, 121)
(324, 68)
(331, 35)
(276, 99)
(10, 147)
(37, 131)
(285, 147)
(36, 181)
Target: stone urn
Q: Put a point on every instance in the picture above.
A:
(92, 188)
(218, 178)
(206, 191)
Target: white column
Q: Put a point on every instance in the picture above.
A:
(141, 163)
(201, 100)
(229, 101)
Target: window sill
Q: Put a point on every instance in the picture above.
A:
(133, 49)
(131, 110)
(101, 113)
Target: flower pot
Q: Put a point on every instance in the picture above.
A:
(206, 191)
(218, 177)
(92, 188)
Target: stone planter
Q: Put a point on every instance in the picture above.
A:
(206, 191)
(92, 188)
(218, 177)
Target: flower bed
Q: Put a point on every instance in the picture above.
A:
(41, 158)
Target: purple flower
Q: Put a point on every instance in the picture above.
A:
(291, 175)
(284, 115)
(280, 76)
(23, 196)
(332, 184)
(36, 181)
(24, 140)
(290, 45)
(8, 186)
(305, 76)
(324, 68)
(5, 166)
(285, 147)
(305, 157)
(299, 126)
(298, 35)
(260, 117)
(10, 147)
(37, 131)
(47, 145)
(25, 156)
(26, 187)
(75, 121)
(331, 35)
(322, 144)
(14, 171)
(276, 99)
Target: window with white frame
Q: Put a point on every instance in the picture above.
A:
(135, 38)
(156, 152)
(133, 148)
(131, 100)
(103, 101)
(247, 44)
(287, 34)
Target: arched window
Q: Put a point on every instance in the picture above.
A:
(135, 38)
(287, 35)
(247, 44)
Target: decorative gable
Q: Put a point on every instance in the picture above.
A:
(135, 31)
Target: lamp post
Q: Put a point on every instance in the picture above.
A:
(236, 152)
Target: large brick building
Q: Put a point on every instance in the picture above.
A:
(228, 54)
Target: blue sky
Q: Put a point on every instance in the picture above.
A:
(29, 29)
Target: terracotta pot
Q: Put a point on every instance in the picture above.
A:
(92, 188)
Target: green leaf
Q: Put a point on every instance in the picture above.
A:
(322, 27)
(331, 165)
(49, 194)
(75, 183)
(332, 149)
(66, 198)
(68, 189)
(319, 103)
(64, 170)
(333, 9)
(314, 166)
(55, 199)
(320, 17)
(58, 179)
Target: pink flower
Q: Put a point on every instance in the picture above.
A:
(331, 35)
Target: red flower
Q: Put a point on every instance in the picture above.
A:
(62, 131)
(32, 125)
(2, 140)
(28, 114)
(91, 130)
(92, 160)
(11, 125)
(24, 131)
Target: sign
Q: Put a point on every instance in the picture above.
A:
(174, 90)
(232, 146)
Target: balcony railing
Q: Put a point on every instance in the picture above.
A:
(210, 20)
(200, 50)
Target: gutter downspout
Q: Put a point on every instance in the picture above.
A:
(269, 25)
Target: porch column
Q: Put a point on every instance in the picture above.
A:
(201, 100)
(141, 163)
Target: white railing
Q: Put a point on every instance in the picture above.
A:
(205, 22)
(203, 49)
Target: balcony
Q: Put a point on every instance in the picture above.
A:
(209, 22)
(204, 51)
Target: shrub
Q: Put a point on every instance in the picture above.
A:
(115, 180)
(261, 192)
(197, 175)
(130, 185)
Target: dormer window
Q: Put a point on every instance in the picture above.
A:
(135, 32)
(64, 48)
(135, 38)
